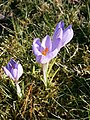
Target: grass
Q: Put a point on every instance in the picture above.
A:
(69, 96)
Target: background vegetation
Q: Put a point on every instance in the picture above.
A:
(69, 97)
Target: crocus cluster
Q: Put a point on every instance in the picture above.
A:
(49, 48)
(44, 52)
(14, 71)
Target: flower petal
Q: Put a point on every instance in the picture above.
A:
(14, 72)
(38, 58)
(13, 63)
(46, 42)
(37, 41)
(53, 54)
(58, 34)
(36, 47)
(9, 67)
(68, 35)
(7, 72)
(56, 43)
(60, 25)
(58, 31)
(20, 71)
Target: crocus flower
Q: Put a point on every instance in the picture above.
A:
(43, 51)
(14, 71)
(48, 49)
(61, 35)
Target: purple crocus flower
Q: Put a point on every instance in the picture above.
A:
(48, 49)
(61, 35)
(13, 70)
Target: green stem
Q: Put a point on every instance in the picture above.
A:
(18, 90)
(45, 68)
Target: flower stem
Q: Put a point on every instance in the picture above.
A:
(45, 68)
(18, 90)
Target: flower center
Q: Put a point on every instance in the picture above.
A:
(45, 51)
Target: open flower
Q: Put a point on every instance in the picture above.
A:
(49, 49)
(13, 70)
(43, 51)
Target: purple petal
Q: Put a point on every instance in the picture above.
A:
(38, 58)
(68, 35)
(36, 47)
(37, 41)
(46, 42)
(53, 54)
(13, 63)
(9, 67)
(58, 31)
(7, 72)
(20, 71)
(14, 72)
(36, 51)
(58, 34)
(56, 42)
(59, 25)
